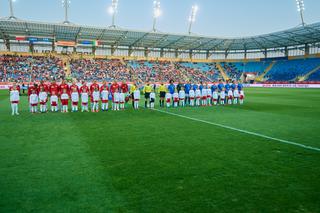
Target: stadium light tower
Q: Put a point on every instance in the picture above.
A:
(301, 8)
(156, 13)
(113, 9)
(192, 17)
(11, 9)
(66, 5)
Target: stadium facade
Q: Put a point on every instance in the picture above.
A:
(38, 37)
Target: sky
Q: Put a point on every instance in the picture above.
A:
(221, 18)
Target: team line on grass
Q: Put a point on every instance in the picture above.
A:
(60, 97)
(242, 131)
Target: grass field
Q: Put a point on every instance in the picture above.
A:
(150, 161)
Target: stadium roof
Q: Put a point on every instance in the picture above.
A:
(307, 34)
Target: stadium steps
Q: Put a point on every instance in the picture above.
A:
(223, 73)
(66, 65)
(306, 76)
(265, 72)
(123, 62)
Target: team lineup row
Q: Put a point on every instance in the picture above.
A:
(180, 95)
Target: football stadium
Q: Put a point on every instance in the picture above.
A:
(106, 118)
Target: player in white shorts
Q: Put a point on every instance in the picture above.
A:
(204, 97)
(191, 97)
(136, 98)
(95, 99)
(209, 96)
(121, 100)
(64, 101)
(43, 98)
(215, 97)
(54, 102)
(236, 96)
(222, 96)
(33, 99)
(104, 99)
(152, 99)
(198, 96)
(175, 97)
(241, 98)
(168, 99)
(230, 96)
(74, 100)
(182, 97)
(84, 100)
(14, 99)
(116, 100)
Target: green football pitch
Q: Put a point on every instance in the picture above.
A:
(260, 157)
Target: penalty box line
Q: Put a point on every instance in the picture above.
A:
(242, 131)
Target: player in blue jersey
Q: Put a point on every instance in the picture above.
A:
(233, 85)
(227, 89)
(220, 85)
(195, 87)
(171, 87)
(214, 87)
(240, 87)
(201, 86)
(220, 88)
(187, 88)
(227, 86)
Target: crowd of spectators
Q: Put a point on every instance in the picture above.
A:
(36, 68)
(28, 68)
(140, 71)
(100, 69)
(231, 70)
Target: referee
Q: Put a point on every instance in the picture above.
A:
(133, 88)
(147, 90)
(162, 91)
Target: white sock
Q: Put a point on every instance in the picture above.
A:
(16, 108)
(12, 109)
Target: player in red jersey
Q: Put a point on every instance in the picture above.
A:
(74, 86)
(104, 86)
(93, 86)
(54, 88)
(63, 87)
(104, 93)
(32, 89)
(124, 87)
(113, 87)
(14, 86)
(84, 87)
(43, 86)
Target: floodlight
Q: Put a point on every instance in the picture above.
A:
(192, 17)
(11, 9)
(66, 5)
(113, 9)
(301, 8)
(156, 13)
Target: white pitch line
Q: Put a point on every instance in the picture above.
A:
(242, 131)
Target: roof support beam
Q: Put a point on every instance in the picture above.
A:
(218, 44)
(163, 38)
(78, 34)
(102, 33)
(138, 40)
(204, 44)
(258, 43)
(172, 43)
(124, 35)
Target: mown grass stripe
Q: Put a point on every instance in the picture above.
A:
(242, 131)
